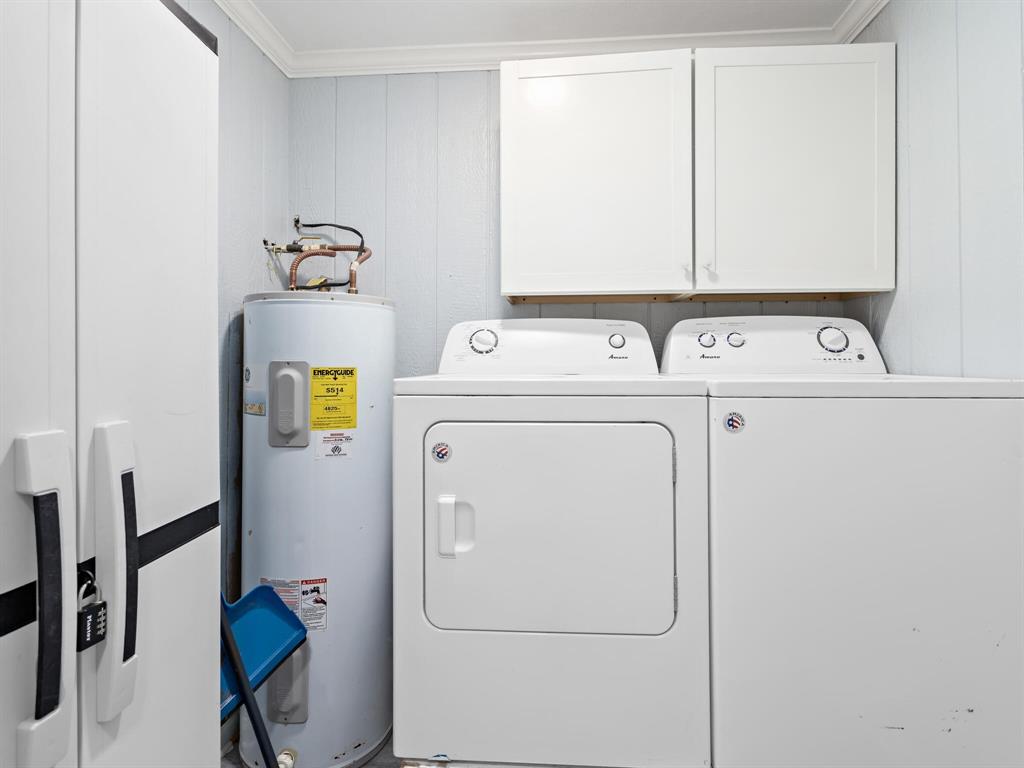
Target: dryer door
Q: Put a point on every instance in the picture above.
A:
(549, 527)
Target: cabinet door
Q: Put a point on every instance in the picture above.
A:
(37, 385)
(147, 384)
(795, 168)
(595, 175)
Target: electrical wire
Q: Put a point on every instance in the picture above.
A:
(320, 286)
(309, 225)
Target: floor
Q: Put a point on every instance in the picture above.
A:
(383, 759)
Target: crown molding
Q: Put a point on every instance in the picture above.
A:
(251, 20)
(454, 58)
(858, 14)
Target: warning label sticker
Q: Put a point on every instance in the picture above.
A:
(330, 445)
(313, 610)
(306, 598)
(332, 397)
(287, 590)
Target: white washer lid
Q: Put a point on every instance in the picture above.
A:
(873, 386)
(553, 385)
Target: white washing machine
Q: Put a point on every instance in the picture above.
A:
(867, 588)
(551, 551)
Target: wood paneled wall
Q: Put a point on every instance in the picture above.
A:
(412, 161)
(959, 304)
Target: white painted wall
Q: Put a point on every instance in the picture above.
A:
(412, 161)
(253, 204)
(959, 304)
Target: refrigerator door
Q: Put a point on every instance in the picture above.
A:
(37, 385)
(147, 383)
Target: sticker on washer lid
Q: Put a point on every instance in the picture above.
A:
(330, 445)
(332, 397)
(306, 598)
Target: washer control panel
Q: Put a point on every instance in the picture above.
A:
(483, 341)
(770, 344)
(548, 346)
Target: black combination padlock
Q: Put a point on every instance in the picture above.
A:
(92, 617)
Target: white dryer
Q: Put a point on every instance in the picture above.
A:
(866, 558)
(551, 551)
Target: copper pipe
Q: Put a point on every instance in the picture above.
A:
(364, 254)
(293, 272)
(329, 250)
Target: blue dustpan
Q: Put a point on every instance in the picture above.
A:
(266, 632)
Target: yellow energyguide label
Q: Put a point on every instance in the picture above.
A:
(332, 397)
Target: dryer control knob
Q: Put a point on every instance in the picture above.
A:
(484, 341)
(833, 339)
(617, 341)
(706, 339)
(736, 339)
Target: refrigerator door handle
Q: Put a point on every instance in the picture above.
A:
(42, 470)
(117, 565)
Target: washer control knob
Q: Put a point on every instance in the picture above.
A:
(833, 339)
(736, 339)
(484, 341)
(706, 339)
(617, 341)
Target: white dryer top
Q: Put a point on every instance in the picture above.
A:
(548, 346)
(771, 344)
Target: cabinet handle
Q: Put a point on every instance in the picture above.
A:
(117, 565)
(42, 470)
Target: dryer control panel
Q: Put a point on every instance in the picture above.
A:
(771, 344)
(548, 346)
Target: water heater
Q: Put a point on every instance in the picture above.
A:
(316, 515)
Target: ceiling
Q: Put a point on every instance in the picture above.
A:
(314, 38)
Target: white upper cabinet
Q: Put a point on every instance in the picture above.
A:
(596, 175)
(785, 183)
(795, 169)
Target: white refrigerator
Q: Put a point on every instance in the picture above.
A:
(108, 384)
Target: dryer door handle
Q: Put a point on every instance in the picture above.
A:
(446, 525)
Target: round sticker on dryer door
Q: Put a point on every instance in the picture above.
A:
(441, 452)
(734, 422)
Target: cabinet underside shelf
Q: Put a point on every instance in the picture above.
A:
(669, 297)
